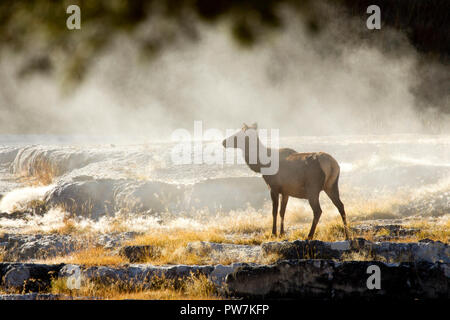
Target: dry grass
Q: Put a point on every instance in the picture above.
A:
(2, 254)
(433, 231)
(68, 226)
(91, 256)
(196, 287)
(172, 245)
(44, 173)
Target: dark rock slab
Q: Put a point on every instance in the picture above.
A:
(28, 276)
(331, 280)
(134, 275)
(433, 251)
(88, 198)
(394, 231)
(24, 247)
(35, 296)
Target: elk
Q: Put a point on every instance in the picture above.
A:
(299, 175)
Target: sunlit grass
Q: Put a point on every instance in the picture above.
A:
(43, 174)
(195, 287)
(88, 256)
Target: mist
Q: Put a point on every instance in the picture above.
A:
(334, 83)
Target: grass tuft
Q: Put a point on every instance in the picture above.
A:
(195, 287)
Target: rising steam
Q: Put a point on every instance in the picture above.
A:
(323, 85)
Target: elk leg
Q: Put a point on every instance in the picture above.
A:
(317, 211)
(333, 194)
(284, 201)
(275, 198)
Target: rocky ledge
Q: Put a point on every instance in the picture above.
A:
(26, 247)
(304, 279)
(331, 280)
(424, 250)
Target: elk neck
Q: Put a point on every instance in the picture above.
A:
(260, 149)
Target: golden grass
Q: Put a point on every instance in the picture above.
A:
(44, 173)
(195, 287)
(171, 243)
(69, 227)
(89, 256)
(433, 231)
(2, 254)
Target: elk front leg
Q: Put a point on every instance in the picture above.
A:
(275, 198)
(284, 201)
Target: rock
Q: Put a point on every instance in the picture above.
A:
(94, 198)
(426, 240)
(225, 251)
(28, 276)
(87, 198)
(150, 196)
(138, 253)
(114, 241)
(218, 275)
(322, 279)
(394, 231)
(331, 280)
(35, 296)
(72, 274)
(25, 247)
(29, 159)
(16, 277)
(7, 154)
(133, 276)
(388, 251)
(304, 249)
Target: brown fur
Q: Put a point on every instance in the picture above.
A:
(304, 176)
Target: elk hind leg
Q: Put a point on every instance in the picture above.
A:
(317, 211)
(333, 194)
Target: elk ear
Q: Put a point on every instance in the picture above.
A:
(254, 126)
(244, 127)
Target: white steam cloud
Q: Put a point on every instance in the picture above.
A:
(302, 85)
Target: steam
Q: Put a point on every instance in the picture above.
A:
(20, 199)
(303, 85)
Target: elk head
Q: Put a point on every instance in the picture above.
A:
(242, 138)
